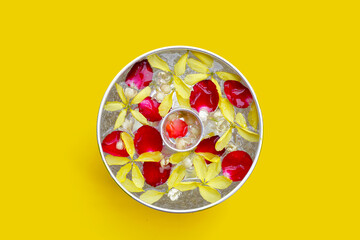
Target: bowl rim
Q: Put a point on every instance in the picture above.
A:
(261, 128)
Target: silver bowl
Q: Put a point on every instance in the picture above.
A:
(191, 201)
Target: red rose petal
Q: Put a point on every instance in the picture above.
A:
(109, 145)
(176, 128)
(204, 96)
(236, 165)
(208, 145)
(238, 94)
(150, 109)
(155, 174)
(147, 139)
(140, 75)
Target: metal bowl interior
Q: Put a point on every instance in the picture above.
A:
(190, 201)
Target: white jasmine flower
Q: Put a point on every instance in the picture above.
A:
(187, 162)
(130, 93)
(203, 114)
(164, 162)
(165, 88)
(163, 77)
(159, 96)
(174, 194)
(128, 124)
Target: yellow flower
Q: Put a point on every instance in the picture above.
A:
(238, 122)
(210, 181)
(226, 107)
(126, 104)
(174, 181)
(181, 89)
(137, 182)
(178, 174)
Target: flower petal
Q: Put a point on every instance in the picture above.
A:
(236, 165)
(178, 157)
(204, 95)
(200, 167)
(248, 135)
(227, 109)
(181, 88)
(139, 117)
(212, 171)
(151, 196)
(166, 104)
(179, 68)
(176, 128)
(141, 95)
(156, 62)
(114, 106)
(239, 95)
(219, 182)
(186, 186)
(121, 174)
(224, 140)
(150, 157)
(204, 58)
(183, 102)
(156, 174)
(120, 119)
(121, 93)
(176, 176)
(209, 135)
(112, 160)
(209, 156)
(207, 145)
(253, 116)
(137, 176)
(140, 75)
(218, 88)
(130, 186)
(147, 139)
(149, 108)
(209, 194)
(192, 79)
(129, 143)
(113, 145)
(228, 76)
(240, 119)
(197, 66)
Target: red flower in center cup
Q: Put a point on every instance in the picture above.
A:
(147, 139)
(155, 174)
(238, 94)
(150, 109)
(176, 128)
(140, 75)
(113, 145)
(204, 96)
(236, 165)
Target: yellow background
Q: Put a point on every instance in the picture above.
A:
(301, 58)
